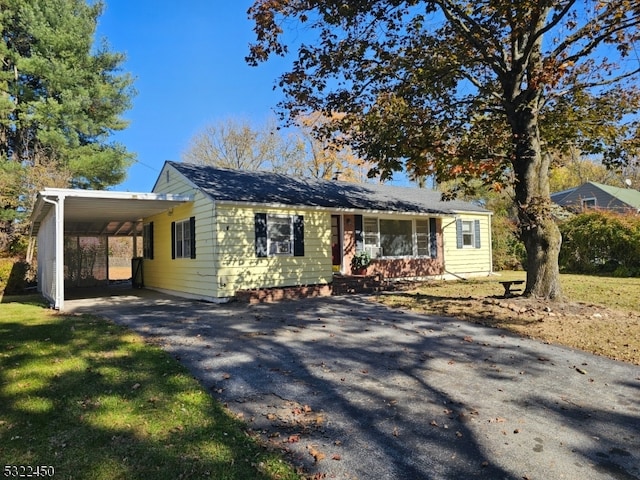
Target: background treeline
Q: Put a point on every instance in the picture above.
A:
(593, 242)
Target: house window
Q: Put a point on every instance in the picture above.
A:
(399, 238)
(147, 240)
(371, 237)
(396, 238)
(183, 240)
(423, 240)
(588, 203)
(468, 233)
(279, 235)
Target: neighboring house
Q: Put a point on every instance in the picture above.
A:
(228, 231)
(599, 196)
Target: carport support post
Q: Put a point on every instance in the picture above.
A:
(59, 297)
(58, 275)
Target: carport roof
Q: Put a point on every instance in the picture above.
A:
(97, 212)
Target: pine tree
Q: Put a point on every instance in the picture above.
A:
(61, 98)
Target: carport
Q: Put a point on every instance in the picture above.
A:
(65, 214)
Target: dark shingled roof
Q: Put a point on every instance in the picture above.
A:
(266, 187)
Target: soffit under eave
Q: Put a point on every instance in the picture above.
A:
(91, 216)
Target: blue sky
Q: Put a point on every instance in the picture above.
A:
(188, 61)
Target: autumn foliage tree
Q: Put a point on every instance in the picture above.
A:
(239, 144)
(455, 88)
(327, 156)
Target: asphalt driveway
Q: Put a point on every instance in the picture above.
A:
(355, 390)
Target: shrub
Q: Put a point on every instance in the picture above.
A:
(15, 276)
(601, 242)
(508, 251)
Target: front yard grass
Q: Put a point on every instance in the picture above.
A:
(94, 401)
(600, 315)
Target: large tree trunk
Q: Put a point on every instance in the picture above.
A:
(538, 229)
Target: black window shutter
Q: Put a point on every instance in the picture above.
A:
(433, 238)
(459, 241)
(192, 229)
(150, 242)
(298, 236)
(173, 239)
(358, 233)
(476, 227)
(261, 234)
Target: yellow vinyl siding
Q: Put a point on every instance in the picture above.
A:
(467, 261)
(173, 183)
(238, 266)
(194, 277)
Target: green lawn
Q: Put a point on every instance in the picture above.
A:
(94, 401)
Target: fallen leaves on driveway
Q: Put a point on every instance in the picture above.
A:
(293, 415)
(316, 454)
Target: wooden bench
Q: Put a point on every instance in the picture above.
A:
(507, 286)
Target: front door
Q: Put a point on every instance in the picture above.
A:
(336, 243)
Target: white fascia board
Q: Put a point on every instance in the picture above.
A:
(109, 194)
(470, 212)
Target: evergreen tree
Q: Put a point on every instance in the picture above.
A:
(61, 98)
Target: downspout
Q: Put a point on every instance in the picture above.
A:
(491, 272)
(58, 298)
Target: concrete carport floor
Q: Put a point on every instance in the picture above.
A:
(353, 389)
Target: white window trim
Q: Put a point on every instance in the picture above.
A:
(472, 233)
(428, 238)
(186, 241)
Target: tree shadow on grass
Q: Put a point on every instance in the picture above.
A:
(93, 401)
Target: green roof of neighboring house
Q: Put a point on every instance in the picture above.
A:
(629, 196)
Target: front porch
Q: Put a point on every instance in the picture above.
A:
(414, 250)
(351, 284)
